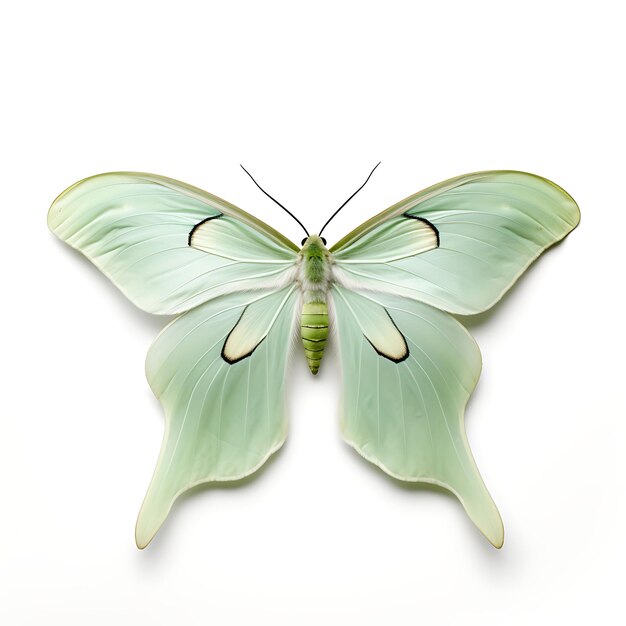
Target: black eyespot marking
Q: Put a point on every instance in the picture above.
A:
(204, 221)
(243, 356)
(240, 358)
(428, 223)
(387, 356)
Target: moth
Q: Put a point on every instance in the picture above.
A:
(241, 291)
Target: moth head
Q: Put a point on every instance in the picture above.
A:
(316, 261)
(314, 245)
(313, 240)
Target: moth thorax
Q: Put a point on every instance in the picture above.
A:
(314, 267)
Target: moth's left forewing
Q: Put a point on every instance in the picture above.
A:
(407, 415)
(227, 237)
(167, 245)
(223, 206)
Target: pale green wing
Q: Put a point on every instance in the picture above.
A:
(169, 246)
(222, 419)
(485, 229)
(406, 416)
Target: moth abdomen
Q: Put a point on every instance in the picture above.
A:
(314, 332)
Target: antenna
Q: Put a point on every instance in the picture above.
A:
(276, 201)
(350, 198)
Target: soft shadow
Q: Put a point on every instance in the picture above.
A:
(424, 490)
(142, 318)
(480, 319)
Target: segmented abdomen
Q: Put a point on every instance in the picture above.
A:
(314, 332)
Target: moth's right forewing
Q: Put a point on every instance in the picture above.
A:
(490, 225)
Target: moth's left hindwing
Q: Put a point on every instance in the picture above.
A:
(137, 229)
(223, 420)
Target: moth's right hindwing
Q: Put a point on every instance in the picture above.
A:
(406, 416)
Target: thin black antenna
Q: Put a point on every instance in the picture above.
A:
(348, 200)
(274, 199)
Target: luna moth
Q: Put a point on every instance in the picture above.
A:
(241, 291)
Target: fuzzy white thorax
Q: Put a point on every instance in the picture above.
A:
(314, 291)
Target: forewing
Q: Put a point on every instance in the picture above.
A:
(407, 417)
(223, 420)
(396, 238)
(140, 230)
(490, 226)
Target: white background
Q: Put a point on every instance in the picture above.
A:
(309, 97)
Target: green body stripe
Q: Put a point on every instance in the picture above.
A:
(314, 332)
(314, 344)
